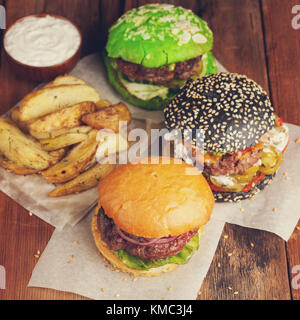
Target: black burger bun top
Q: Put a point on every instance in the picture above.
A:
(232, 110)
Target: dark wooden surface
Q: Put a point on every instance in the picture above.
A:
(252, 37)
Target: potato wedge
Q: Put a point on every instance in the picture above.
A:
(15, 116)
(22, 149)
(65, 118)
(75, 162)
(52, 99)
(110, 143)
(13, 167)
(58, 154)
(62, 141)
(103, 103)
(108, 117)
(57, 133)
(62, 80)
(85, 181)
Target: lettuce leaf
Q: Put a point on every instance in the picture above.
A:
(181, 257)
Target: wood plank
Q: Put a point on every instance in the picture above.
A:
(14, 88)
(258, 272)
(110, 11)
(239, 46)
(22, 235)
(283, 51)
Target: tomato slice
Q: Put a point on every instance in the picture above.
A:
(255, 181)
(286, 146)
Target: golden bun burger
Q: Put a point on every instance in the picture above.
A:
(149, 216)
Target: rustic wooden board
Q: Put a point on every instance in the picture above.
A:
(283, 52)
(257, 271)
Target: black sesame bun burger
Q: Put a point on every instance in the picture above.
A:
(244, 140)
(149, 216)
(152, 50)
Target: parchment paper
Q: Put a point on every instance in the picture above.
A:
(31, 192)
(87, 274)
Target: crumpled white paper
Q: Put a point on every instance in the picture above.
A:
(87, 274)
(274, 209)
(31, 192)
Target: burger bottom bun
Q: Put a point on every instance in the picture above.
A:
(117, 263)
(238, 196)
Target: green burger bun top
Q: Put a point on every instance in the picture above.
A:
(156, 35)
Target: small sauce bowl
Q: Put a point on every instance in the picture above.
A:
(47, 73)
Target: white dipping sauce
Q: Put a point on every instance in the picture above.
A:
(42, 42)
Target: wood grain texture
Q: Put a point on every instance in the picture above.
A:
(283, 52)
(257, 271)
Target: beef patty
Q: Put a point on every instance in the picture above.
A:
(181, 70)
(109, 234)
(230, 164)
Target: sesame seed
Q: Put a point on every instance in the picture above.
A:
(170, 288)
(230, 254)
(225, 236)
(298, 228)
(274, 209)
(236, 292)
(297, 140)
(102, 289)
(30, 213)
(228, 96)
(252, 244)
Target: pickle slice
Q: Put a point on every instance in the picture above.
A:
(236, 187)
(248, 175)
(269, 170)
(271, 161)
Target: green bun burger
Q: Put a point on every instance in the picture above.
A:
(152, 50)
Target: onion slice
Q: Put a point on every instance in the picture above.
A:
(148, 241)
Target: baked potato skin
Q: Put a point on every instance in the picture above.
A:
(108, 117)
(22, 149)
(69, 117)
(87, 180)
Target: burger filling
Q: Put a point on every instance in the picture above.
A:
(164, 82)
(241, 171)
(180, 71)
(145, 253)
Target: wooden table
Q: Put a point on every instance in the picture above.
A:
(252, 37)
